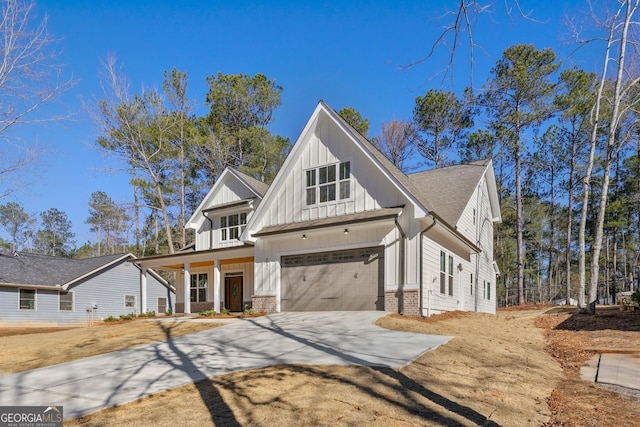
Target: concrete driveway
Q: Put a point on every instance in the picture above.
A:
(319, 338)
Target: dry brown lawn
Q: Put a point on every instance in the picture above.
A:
(494, 372)
(518, 368)
(22, 349)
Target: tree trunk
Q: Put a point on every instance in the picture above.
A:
(519, 223)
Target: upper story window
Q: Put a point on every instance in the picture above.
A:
(326, 183)
(232, 226)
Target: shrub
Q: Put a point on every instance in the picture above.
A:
(127, 316)
(147, 314)
(635, 297)
(225, 311)
(248, 310)
(207, 313)
(169, 312)
(110, 319)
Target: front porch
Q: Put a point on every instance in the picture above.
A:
(214, 279)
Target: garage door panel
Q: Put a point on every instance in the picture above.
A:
(342, 280)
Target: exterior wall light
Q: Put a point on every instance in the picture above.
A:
(304, 237)
(346, 231)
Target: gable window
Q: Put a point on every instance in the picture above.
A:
(232, 226)
(27, 299)
(129, 301)
(199, 284)
(326, 183)
(66, 301)
(345, 180)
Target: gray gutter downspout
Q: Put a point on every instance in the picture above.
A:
(422, 267)
(210, 229)
(403, 266)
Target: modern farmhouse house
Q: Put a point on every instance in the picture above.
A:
(45, 290)
(341, 228)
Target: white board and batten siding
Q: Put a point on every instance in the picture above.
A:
(370, 190)
(225, 192)
(474, 286)
(106, 290)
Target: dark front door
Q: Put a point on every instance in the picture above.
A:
(233, 293)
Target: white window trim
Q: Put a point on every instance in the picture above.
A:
(135, 301)
(73, 302)
(227, 229)
(337, 183)
(35, 299)
(196, 275)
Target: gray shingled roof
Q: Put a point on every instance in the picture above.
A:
(257, 185)
(444, 191)
(44, 270)
(450, 188)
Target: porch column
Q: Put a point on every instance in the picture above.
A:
(216, 285)
(187, 288)
(143, 290)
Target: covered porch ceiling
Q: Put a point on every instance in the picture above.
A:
(174, 262)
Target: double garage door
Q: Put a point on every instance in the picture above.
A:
(341, 280)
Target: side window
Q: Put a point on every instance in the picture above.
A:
(27, 299)
(443, 272)
(129, 301)
(66, 301)
(450, 275)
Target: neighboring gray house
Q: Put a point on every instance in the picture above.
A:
(44, 290)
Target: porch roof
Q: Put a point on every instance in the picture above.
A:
(374, 215)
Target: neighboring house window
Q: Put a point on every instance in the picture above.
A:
(484, 287)
(471, 283)
(162, 305)
(488, 290)
(66, 301)
(199, 287)
(27, 299)
(232, 226)
(129, 301)
(324, 185)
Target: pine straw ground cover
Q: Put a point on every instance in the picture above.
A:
(571, 339)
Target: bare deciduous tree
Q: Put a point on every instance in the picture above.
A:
(29, 78)
(396, 141)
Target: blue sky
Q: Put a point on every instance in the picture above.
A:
(345, 53)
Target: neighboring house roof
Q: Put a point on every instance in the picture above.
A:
(449, 188)
(57, 272)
